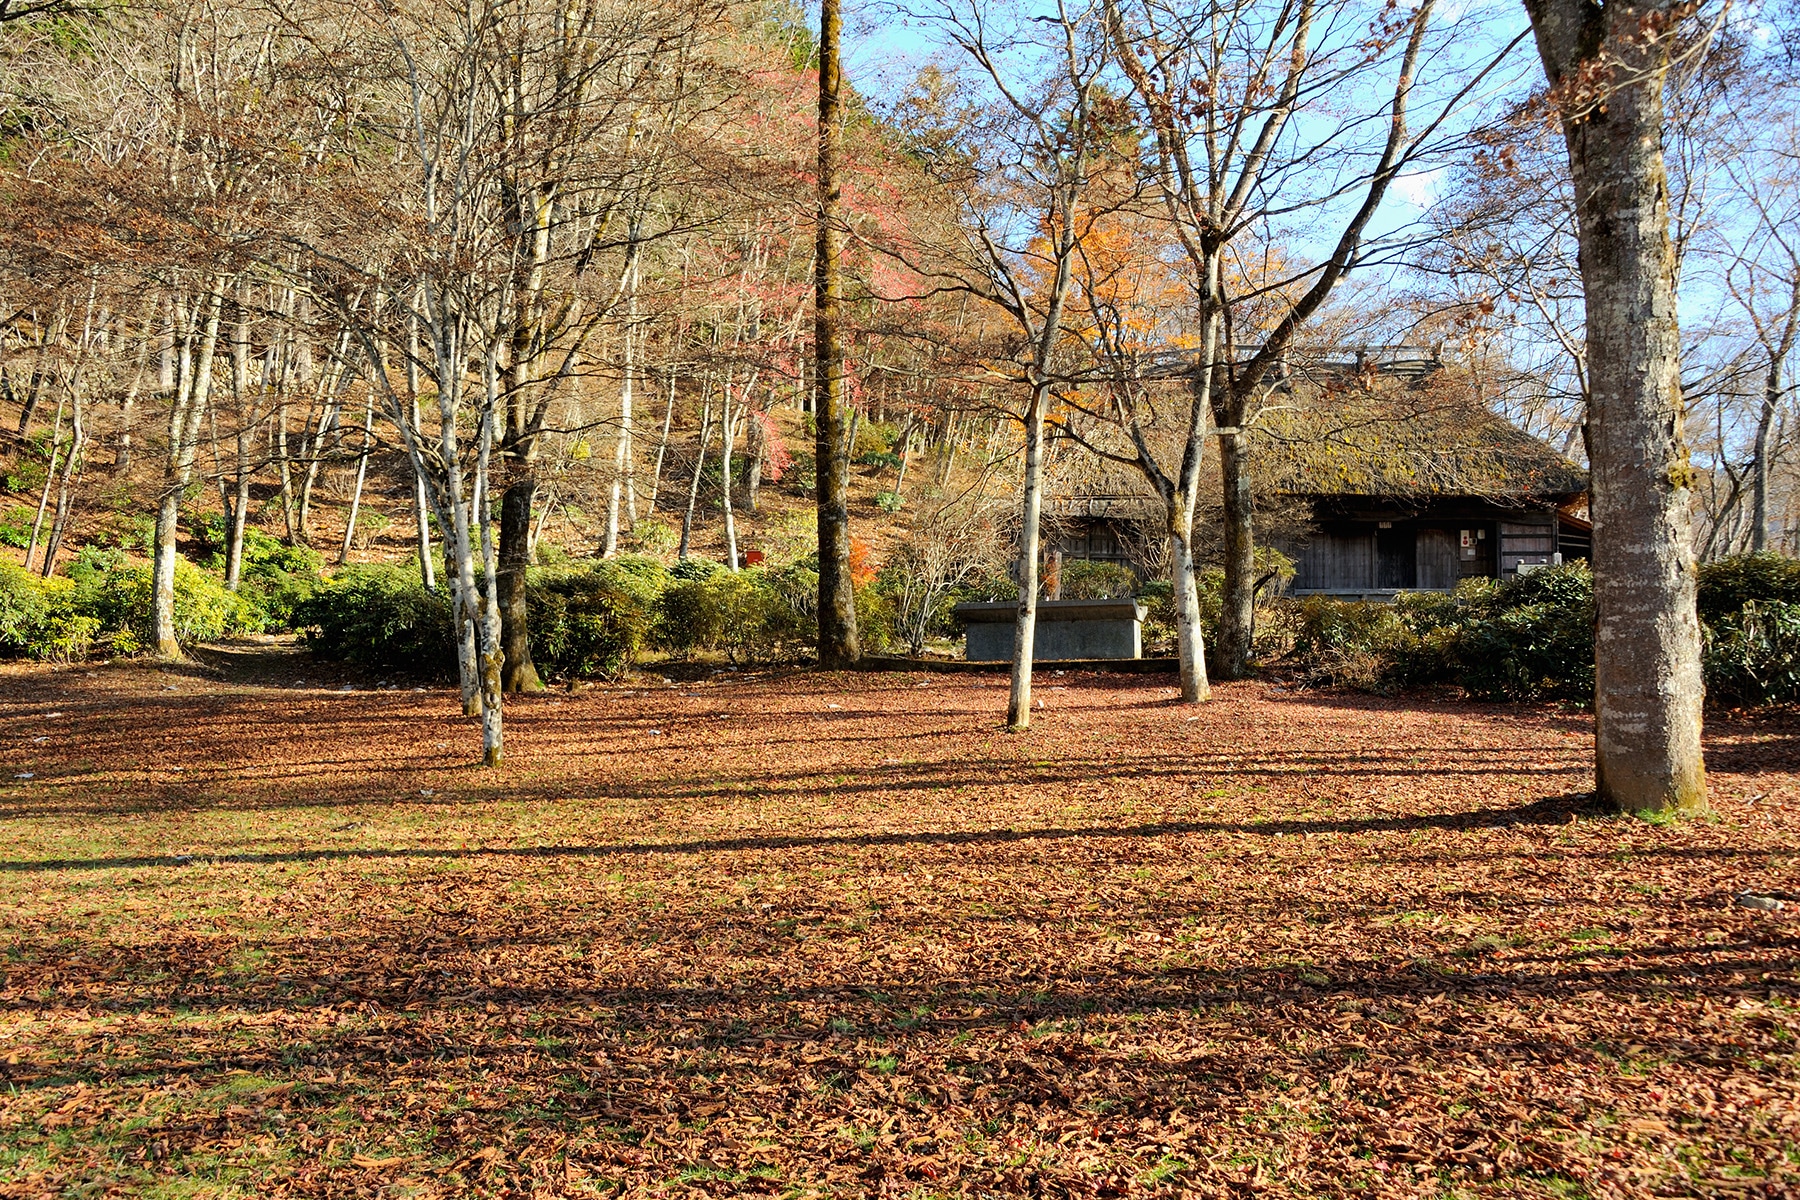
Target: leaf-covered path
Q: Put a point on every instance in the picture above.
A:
(795, 934)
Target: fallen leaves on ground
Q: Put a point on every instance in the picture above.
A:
(804, 934)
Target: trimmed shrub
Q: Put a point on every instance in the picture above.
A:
(593, 620)
(379, 615)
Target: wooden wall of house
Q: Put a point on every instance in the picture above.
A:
(1430, 552)
(1337, 560)
(1530, 541)
(1439, 567)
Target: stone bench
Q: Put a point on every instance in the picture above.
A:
(1066, 629)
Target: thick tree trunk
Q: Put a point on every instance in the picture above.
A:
(838, 643)
(1018, 705)
(520, 673)
(1648, 687)
(1238, 614)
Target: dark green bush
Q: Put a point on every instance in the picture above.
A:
(1728, 584)
(696, 568)
(1083, 579)
(379, 615)
(593, 620)
(749, 614)
(1753, 654)
(1529, 638)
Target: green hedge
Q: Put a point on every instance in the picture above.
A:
(593, 621)
(379, 616)
(589, 619)
(1532, 637)
(1753, 654)
(1528, 638)
(1728, 584)
(103, 602)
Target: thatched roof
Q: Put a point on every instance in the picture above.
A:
(1408, 445)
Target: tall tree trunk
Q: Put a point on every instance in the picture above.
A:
(758, 447)
(193, 390)
(37, 525)
(1778, 347)
(278, 435)
(1765, 447)
(362, 472)
(421, 505)
(662, 448)
(623, 492)
(34, 390)
(838, 643)
(727, 434)
(1648, 688)
(237, 503)
(687, 518)
(520, 673)
(128, 406)
(489, 623)
(1018, 706)
(1231, 659)
(75, 460)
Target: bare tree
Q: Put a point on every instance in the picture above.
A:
(1022, 143)
(1248, 103)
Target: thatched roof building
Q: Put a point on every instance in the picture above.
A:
(1378, 489)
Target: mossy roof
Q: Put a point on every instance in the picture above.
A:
(1408, 446)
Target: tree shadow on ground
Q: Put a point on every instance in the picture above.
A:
(1549, 810)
